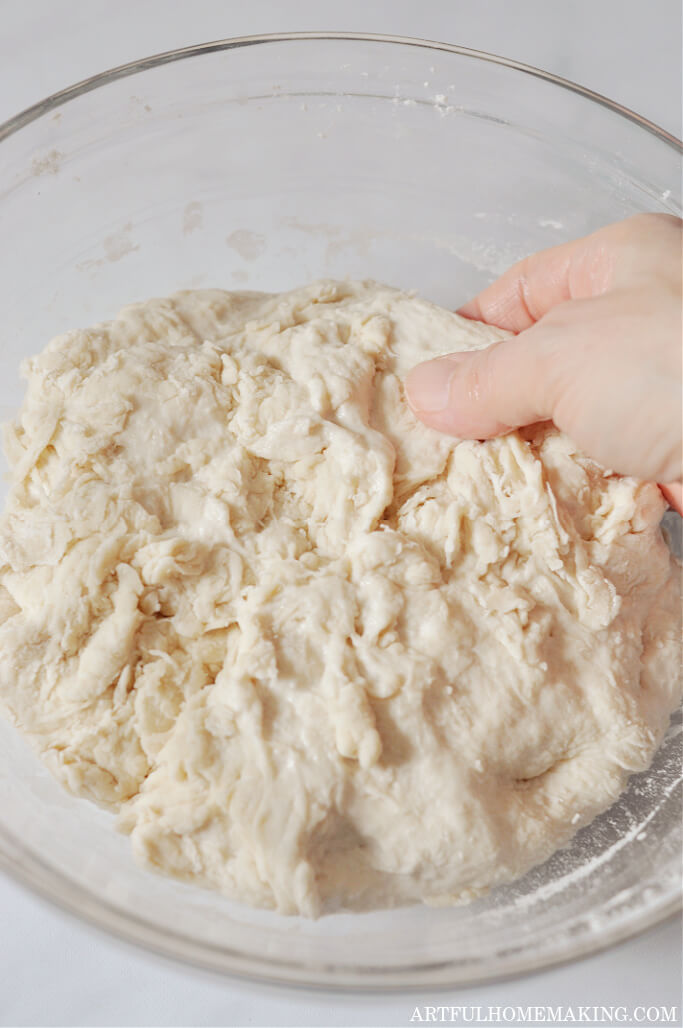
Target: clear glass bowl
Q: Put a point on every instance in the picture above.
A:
(263, 163)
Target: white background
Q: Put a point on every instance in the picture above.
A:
(54, 971)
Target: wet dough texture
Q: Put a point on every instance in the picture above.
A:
(314, 654)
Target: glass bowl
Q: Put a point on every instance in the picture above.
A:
(263, 163)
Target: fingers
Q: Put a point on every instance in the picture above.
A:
(584, 268)
(673, 492)
(483, 394)
(529, 289)
(515, 382)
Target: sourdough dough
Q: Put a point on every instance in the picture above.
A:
(314, 654)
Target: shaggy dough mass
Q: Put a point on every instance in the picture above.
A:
(315, 654)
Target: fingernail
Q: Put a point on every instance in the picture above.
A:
(428, 386)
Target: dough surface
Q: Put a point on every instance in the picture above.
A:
(314, 654)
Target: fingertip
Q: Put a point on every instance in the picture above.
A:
(673, 493)
(442, 393)
(471, 310)
(428, 385)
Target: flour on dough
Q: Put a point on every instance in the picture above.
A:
(314, 654)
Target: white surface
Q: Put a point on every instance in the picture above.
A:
(54, 971)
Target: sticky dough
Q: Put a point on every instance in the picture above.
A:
(314, 654)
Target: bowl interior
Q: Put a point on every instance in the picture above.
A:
(262, 165)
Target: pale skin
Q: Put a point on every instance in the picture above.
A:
(598, 352)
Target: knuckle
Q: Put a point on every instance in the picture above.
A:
(651, 222)
(486, 373)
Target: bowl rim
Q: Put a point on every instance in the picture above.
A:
(120, 71)
(33, 875)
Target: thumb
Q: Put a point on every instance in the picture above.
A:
(480, 394)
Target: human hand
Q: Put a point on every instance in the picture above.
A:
(598, 352)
